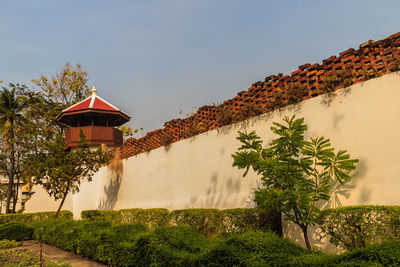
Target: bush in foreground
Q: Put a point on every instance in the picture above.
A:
(16, 231)
(136, 245)
(33, 217)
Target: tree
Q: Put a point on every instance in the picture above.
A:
(12, 106)
(61, 172)
(296, 174)
(55, 93)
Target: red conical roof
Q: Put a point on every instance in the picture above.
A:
(93, 104)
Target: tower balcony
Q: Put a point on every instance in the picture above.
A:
(95, 136)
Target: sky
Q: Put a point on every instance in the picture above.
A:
(153, 58)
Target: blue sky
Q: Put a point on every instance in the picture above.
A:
(153, 58)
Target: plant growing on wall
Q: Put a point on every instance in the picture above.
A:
(61, 172)
(249, 110)
(296, 174)
(295, 93)
(166, 139)
(339, 78)
(226, 115)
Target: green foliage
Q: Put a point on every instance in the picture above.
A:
(227, 115)
(357, 226)
(61, 172)
(204, 221)
(295, 93)
(112, 216)
(340, 78)
(295, 173)
(13, 141)
(152, 218)
(5, 243)
(253, 249)
(242, 220)
(135, 245)
(32, 217)
(385, 254)
(20, 257)
(15, 231)
(67, 86)
(171, 246)
(209, 222)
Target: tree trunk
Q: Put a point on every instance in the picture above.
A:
(305, 233)
(15, 199)
(61, 204)
(10, 189)
(276, 222)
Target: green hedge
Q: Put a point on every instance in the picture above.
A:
(253, 249)
(33, 217)
(136, 245)
(209, 222)
(357, 226)
(384, 254)
(15, 231)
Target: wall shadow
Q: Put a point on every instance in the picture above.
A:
(110, 194)
(221, 193)
(110, 190)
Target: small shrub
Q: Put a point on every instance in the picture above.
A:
(33, 217)
(5, 243)
(101, 215)
(205, 221)
(226, 115)
(16, 231)
(386, 254)
(193, 129)
(340, 78)
(295, 93)
(249, 110)
(278, 101)
(242, 220)
(253, 249)
(170, 246)
(166, 139)
(152, 218)
(357, 226)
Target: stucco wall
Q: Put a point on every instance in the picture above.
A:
(40, 201)
(198, 173)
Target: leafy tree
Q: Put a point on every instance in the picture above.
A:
(66, 87)
(296, 174)
(12, 106)
(53, 94)
(61, 172)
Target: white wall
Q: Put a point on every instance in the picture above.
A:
(198, 173)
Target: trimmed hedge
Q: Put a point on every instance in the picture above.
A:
(253, 249)
(16, 231)
(33, 217)
(136, 245)
(385, 254)
(209, 222)
(357, 226)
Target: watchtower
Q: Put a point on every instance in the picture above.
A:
(97, 118)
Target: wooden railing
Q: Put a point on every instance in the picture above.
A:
(95, 136)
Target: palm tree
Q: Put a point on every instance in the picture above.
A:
(11, 108)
